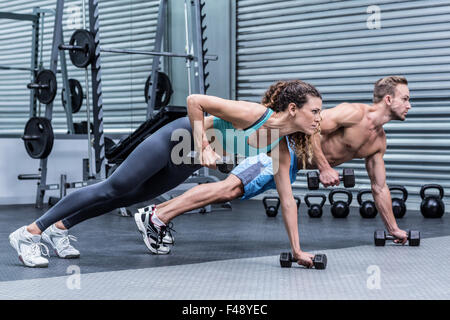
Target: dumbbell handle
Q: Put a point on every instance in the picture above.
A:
(69, 47)
(292, 259)
(341, 178)
(221, 164)
(391, 237)
(37, 86)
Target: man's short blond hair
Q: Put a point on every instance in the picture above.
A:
(386, 86)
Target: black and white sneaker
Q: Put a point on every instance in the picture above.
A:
(142, 223)
(147, 209)
(151, 233)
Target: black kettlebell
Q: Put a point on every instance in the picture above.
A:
(432, 206)
(367, 209)
(271, 210)
(399, 205)
(315, 209)
(340, 209)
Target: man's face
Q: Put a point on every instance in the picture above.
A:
(400, 102)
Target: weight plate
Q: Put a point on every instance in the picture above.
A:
(38, 137)
(76, 94)
(164, 90)
(47, 78)
(82, 38)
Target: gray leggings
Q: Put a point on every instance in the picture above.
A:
(146, 173)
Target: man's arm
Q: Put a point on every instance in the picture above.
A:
(328, 176)
(342, 116)
(377, 173)
(319, 158)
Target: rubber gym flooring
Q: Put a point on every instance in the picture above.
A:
(233, 254)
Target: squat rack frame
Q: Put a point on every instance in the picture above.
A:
(35, 18)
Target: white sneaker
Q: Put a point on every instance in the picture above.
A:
(151, 234)
(142, 223)
(29, 248)
(60, 242)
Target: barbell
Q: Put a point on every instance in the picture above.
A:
(81, 49)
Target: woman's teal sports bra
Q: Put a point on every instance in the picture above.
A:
(234, 141)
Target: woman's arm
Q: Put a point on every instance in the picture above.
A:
(288, 204)
(241, 114)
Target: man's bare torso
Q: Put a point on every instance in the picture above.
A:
(360, 140)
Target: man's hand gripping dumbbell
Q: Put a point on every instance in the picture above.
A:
(347, 176)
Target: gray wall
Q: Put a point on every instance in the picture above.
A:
(343, 47)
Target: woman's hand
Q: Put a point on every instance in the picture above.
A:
(209, 158)
(304, 259)
(401, 235)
